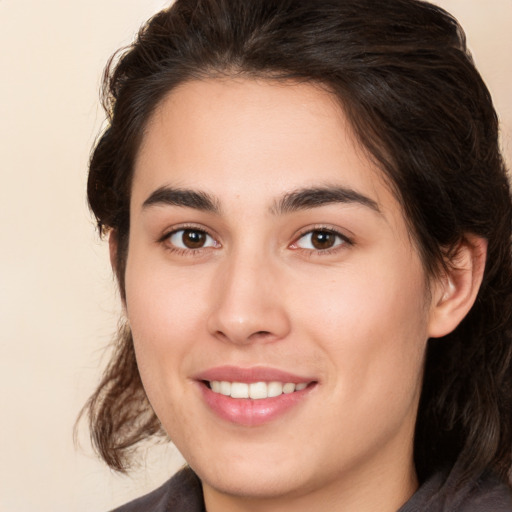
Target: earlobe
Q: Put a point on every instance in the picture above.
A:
(455, 292)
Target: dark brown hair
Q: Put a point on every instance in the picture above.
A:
(402, 73)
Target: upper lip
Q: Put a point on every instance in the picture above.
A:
(251, 374)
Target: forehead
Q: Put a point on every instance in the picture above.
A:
(250, 139)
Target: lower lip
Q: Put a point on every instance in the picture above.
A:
(249, 412)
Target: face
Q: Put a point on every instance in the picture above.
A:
(278, 306)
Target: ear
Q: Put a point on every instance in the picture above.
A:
(455, 291)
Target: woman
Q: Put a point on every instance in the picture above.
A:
(310, 223)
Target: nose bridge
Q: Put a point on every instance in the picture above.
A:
(248, 304)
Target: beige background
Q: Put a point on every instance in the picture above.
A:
(58, 306)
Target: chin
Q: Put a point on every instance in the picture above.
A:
(253, 482)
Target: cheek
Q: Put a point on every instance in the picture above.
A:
(372, 326)
(163, 311)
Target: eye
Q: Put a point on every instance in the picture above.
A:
(320, 240)
(191, 239)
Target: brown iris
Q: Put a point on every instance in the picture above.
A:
(322, 240)
(193, 239)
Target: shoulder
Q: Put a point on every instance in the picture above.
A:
(487, 494)
(439, 494)
(182, 493)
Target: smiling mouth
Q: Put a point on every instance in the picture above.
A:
(251, 397)
(255, 390)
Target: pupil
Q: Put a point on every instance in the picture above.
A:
(193, 239)
(322, 240)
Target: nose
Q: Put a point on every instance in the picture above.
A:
(248, 304)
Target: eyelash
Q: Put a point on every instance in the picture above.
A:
(180, 251)
(344, 241)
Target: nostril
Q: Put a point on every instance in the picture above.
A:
(261, 335)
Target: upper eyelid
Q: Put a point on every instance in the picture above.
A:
(187, 226)
(323, 227)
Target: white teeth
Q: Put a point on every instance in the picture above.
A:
(225, 388)
(239, 390)
(255, 390)
(274, 389)
(288, 388)
(258, 390)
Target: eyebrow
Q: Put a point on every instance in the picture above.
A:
(182, 197)
(306, 198)
(301, 199)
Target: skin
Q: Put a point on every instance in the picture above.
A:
(355, 317)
